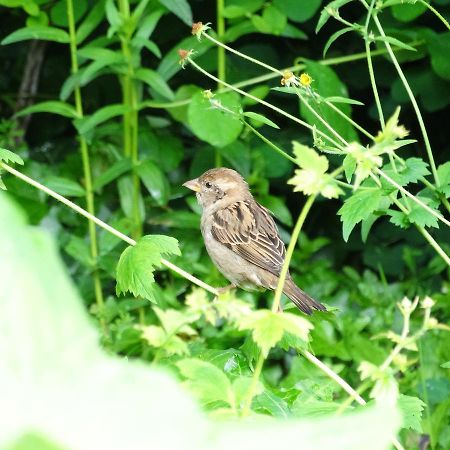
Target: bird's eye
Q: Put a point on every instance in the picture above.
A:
(208, 185)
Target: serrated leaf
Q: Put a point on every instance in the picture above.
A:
(296, 325)
(137, 264)
(411, 410)
(358, 207)
(267, 328)
(37, 32)
(53, 107)
(308, 158)
(8, 156)
(421, 216)
(207, 382)
(260, 118)
(398, 218)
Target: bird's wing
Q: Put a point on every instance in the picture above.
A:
(249, 230)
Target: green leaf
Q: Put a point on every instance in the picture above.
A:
(58, 13)
(111, 173)
(311, 408)
(88, 123)
(327, 84)
(333, 38)
(241, 387)
(446, 365)
(267, 328)
(349, 165)
(37, 32)
(154, 180)
(421, 216)
(325, 14)
(260, 118)
(146, 28)
(411, 410)
(308, 158)
(91, 21)
(127, 199)
(9, 157)
(439, 48)
(54, 107)
(296, 12)
(268, 402)
(206, 381)
(79, 249)
(137, 264)
(358, 207)
(343, 100)
(407, 12)
(213, 125)
(395, 42)
(65, 186)
(180, 8)
(155, 81)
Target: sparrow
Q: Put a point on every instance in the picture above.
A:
(241, 236)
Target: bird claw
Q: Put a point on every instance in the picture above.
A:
(225, 289)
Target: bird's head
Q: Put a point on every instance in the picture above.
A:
(218, 187)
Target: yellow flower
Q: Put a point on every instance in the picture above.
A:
(305, 80)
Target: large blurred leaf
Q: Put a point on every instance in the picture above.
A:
(327, 84)
(439, 48)
(56, 381)
(212, 125)
(296, 11)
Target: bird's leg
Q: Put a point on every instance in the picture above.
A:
(225, 289)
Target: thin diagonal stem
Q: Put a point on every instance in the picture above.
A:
(263, 102)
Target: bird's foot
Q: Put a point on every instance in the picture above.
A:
(225, 289)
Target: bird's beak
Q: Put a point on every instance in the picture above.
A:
(194, 185)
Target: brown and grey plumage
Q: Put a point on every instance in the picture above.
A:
(241, 236)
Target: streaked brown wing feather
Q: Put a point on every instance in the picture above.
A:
(249, 230)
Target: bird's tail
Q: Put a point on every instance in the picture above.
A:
(301, 299)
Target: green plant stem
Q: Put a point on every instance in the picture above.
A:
(131, 120)
(436, 12)
(252, 389)
(221, 62)
(412, 197)
(411, 97)
(263, 102)
(350, 120)
(104, 225)
(278, 72)
(370, 66)
(270, 143)
(290, 250)
(89, 197)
